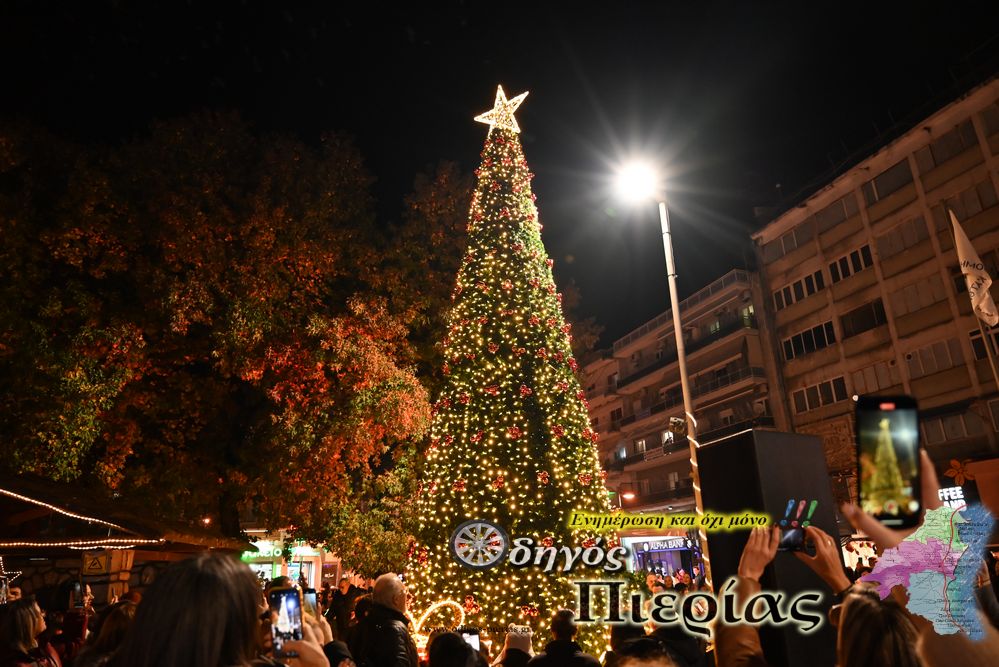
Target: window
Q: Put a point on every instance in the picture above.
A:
(616, 414)
(862, 319)
(809, 340)
(798, 290)
(818, 395)
(934, 358)
(640, 445)
(952, 427)
(668, 437)
(994, 411)
(835, 213)
(918, 295)
(948, 146)
(978, 344)
(890, 180)
(965, 204)
(990, 119)
(876, 377)
(853, 262)
(902, 237)
(612, 380)
(622, 453)
(792, 240)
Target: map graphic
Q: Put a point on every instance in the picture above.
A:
(937, 564)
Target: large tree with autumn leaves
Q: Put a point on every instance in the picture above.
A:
(189, 320)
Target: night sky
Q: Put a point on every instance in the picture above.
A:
(744, 103)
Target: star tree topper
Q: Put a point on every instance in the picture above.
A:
(501, 115)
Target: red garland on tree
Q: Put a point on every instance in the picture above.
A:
(458, 485)
(525, 391)
(492, 390)
(493, 347)
(499, 482)
(514, 432)
(558, 431)
(544, 477)
(585, 478)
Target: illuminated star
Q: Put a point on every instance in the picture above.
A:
(501, 115)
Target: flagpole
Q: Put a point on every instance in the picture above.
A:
(986, 339)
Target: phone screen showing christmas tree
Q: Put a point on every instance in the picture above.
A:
(888, 459)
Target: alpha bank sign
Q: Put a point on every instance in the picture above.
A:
(668, 543)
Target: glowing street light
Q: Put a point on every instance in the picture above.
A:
(638, 182)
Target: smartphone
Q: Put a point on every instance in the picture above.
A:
(77, 595)
(286, 606)
(309, 602)
(471, 638)
(888, 445)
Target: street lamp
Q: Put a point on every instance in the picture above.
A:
(638, 182)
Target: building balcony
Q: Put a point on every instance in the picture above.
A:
(763, 421)
(727, 328)
(698, 390)
(684, 489)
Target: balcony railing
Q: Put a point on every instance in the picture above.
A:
(729, 327)
(730, 278)
(699, 389)
(682, 490)
(763, 421)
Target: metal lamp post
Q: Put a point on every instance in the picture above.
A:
(640, 182)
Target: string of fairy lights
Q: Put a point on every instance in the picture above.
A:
(511, 441)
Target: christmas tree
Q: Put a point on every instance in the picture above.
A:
(511, 452)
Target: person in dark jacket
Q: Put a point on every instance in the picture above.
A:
(449, 649)
(382, 638)
(341, 606)
(563, 651)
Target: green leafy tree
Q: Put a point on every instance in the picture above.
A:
(511, 442)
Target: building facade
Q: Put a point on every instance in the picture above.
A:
(635, 389)
(865, 297)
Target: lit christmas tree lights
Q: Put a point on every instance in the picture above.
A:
(511, 442)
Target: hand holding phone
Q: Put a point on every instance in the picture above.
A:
(286, 624)
(888, 464)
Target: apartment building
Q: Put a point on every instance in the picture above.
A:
(865, 296)
(635, 389)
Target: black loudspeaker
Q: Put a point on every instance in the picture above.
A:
(762, 471)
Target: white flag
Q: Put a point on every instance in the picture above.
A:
(975, 275)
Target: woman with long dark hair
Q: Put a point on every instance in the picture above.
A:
(204, 612)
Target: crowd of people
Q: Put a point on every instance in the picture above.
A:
(210, 611)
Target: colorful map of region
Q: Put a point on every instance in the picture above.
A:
(937, 565)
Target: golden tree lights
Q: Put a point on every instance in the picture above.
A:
(511, 441)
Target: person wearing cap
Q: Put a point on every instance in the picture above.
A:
(517, 649)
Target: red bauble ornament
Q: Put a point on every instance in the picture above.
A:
(573, 364)
(547, 542)
(558, 356)
(550, 262)
(558, 431)
(544, 477)
(448, 439)
(499, 482)
(542, 353)
(458, 485)
(562, 385)
(464, 399)
(517, 246)
(529, 610)
(525, 390)
(517, 351)
(507, 285)
(585, 478)
(514, 432)
(477, 436)
(533, 320)
(492, 390)
(493, 347)
(471, 606)
(589, 542)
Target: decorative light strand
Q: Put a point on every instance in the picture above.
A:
(60, 510)
(81, 543)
